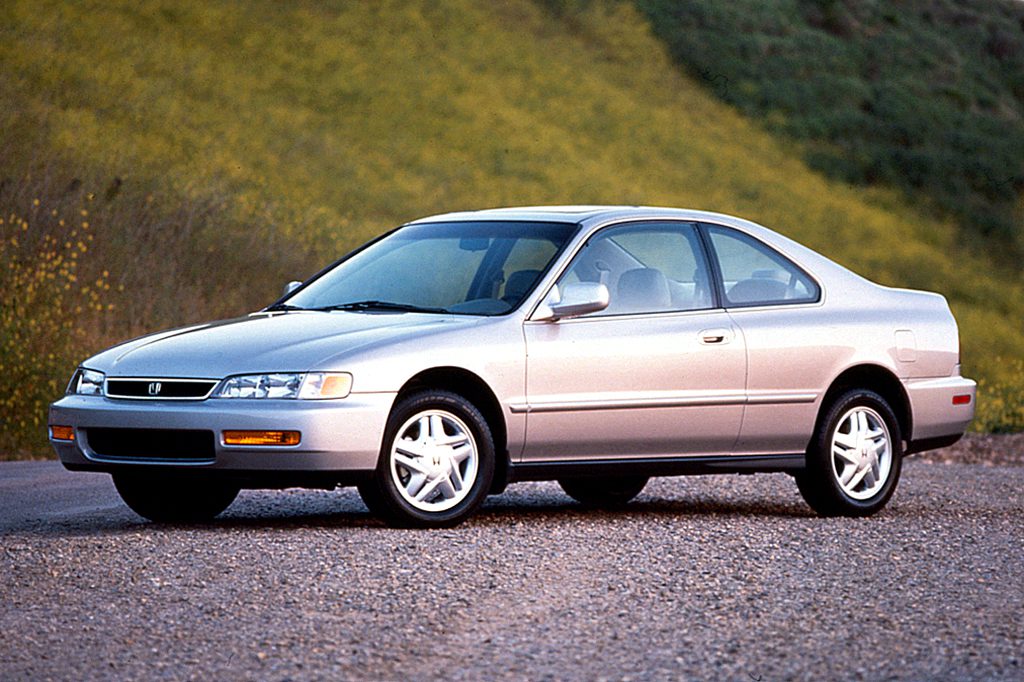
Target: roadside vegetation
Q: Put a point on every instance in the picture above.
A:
(218, 151)
(86, 265)
(925, 96)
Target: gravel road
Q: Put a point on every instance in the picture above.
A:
(722, 577)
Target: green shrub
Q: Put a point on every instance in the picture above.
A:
(924, 96)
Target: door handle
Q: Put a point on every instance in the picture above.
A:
(709, 336)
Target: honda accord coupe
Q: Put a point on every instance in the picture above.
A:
(594, 346)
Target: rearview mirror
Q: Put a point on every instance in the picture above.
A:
(290, 287)
(578, 298)
(474, 243)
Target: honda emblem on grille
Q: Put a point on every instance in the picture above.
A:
(154, 388)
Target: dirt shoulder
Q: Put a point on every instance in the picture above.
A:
(979, 448)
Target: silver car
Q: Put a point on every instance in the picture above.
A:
(595, 346)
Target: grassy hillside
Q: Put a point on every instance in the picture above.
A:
(923, 95)
(220, 149)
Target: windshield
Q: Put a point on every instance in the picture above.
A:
(472, 268)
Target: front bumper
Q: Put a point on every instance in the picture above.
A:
(336, 435)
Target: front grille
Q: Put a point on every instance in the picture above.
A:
(160, 389)
(151, 444)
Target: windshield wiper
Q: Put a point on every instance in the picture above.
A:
(282, 306)
(383, 305)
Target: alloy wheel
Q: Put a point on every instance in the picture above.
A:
(861, 452)
(434, 460)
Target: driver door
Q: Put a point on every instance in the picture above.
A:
(661, 372)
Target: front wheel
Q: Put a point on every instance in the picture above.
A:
(854, 461)
(175, 499)
(436, 462)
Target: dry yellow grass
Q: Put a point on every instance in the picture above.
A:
(317, 125)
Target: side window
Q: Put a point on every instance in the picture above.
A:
(647, 267)
(754, 274)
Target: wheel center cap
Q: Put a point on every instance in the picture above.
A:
(438, 465)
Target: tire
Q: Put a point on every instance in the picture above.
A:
(603, 491)
(175, 499)
(855, 458)
(436, 462)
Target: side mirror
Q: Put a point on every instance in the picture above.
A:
(290, 287)
(578, 298)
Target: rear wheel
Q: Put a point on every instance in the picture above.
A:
(436, 462)
(175, 499)
(853, 464)
(603, 491)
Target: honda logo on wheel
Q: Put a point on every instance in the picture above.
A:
(154, 388)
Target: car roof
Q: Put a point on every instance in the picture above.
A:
(578, 214)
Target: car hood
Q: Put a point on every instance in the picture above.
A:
(280, 342)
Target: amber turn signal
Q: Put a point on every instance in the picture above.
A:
(261, 437)
(62, 432)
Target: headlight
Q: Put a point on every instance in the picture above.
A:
(87, 382)
(302, 386)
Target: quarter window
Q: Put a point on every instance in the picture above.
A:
(754, 274)
(647, 267)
